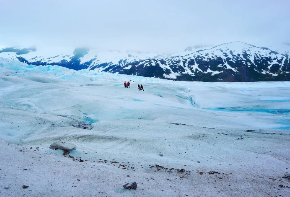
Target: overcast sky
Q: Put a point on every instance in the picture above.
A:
(144, 25)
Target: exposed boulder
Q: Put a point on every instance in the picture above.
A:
(130, 186)
(286, 176)
(66, 147)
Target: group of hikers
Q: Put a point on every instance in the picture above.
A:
(127, 85)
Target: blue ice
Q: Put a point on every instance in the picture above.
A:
(89, 120)
(238, 109)
(191, 101)
(139, 100)
(278, 100)
(283, 128)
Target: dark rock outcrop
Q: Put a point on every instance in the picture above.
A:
(130, 186)
(66, 147)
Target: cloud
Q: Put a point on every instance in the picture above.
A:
(164, 25)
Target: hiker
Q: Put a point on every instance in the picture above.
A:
(128, 84)
(125, 84)
(140, 87)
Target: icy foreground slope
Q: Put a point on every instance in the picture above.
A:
(228, 62)
(173, 139)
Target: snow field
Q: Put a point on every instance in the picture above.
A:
(173, 139)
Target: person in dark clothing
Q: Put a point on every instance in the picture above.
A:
(125, 84)
(139, 88)
(128, 84)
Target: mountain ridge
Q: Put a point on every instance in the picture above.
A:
(233, 61)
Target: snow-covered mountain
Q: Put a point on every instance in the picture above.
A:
(235, 61)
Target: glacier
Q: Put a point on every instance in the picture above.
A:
(176, 138)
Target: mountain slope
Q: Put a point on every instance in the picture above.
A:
(236, 61)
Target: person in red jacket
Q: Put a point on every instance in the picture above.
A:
(125, 84)
(128, 84)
